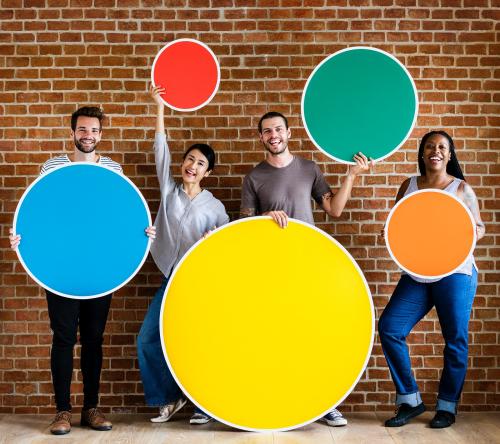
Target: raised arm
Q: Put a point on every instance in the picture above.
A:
(162, 153)
(334, 204)
(155, 92)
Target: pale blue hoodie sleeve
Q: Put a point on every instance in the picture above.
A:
(163, 161)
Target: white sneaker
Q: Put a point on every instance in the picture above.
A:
(167, 411)
(334, 419)
(200, 418)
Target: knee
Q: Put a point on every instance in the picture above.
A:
(95, 338)
(383, 325)
(387, 330)
(63, 339)
(457, 341)
(147, 336)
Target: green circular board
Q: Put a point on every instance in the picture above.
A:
(359, 99)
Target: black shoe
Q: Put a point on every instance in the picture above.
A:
(442, 419)
(404, 413)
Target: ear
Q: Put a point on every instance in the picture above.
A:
(260, 137)
(207, 173)
(289, 133)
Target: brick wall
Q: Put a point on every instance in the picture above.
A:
(58, 54)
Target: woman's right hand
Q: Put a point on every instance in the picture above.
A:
(155, 92)
(15, 239)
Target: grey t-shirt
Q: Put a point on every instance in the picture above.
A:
(289, 189)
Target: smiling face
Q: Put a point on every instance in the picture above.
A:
(436, 153)
(275, 135)
(87, 134)
(194, 167)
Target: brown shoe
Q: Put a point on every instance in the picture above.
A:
(61, 423)
(95, 419)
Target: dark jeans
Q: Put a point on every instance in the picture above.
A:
(452, 296)
(66, 315)
(160, 387)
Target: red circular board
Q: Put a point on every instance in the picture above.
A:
(189, 72)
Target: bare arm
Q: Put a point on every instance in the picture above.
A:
(470, 199)
(401, 193)
(402, 190)
(247, 212)
(334, 204)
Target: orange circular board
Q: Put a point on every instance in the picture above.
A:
(430, 233)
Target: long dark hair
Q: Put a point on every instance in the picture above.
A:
(452, 167)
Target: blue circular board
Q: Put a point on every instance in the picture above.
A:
(82, 230)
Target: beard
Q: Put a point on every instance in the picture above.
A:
(84, 148)
(275, 152)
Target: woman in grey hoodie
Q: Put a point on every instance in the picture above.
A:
(187, 213)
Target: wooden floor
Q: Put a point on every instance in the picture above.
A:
(475, 428)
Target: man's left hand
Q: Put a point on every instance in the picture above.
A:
(362, 165)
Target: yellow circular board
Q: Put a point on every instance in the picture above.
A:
(267, 328)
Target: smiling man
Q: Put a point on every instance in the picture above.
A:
(86, 131)
(68, 315)
(282, 186)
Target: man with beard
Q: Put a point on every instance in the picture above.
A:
(67, 315)
(86, 132)
(282, 186)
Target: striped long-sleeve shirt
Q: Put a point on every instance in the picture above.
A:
(55, 162)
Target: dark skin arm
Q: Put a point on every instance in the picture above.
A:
(399, 196)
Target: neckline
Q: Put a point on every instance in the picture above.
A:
(283, 167)
(433, 188)
(187, 195)
(98, 161)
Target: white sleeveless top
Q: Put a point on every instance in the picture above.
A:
(452, 188)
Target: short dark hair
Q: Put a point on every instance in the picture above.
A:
(206, 150)
(87, 111)
(270, 115)
(452, 167)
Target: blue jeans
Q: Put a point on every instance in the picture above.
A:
(159, 385)
(452, 296)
